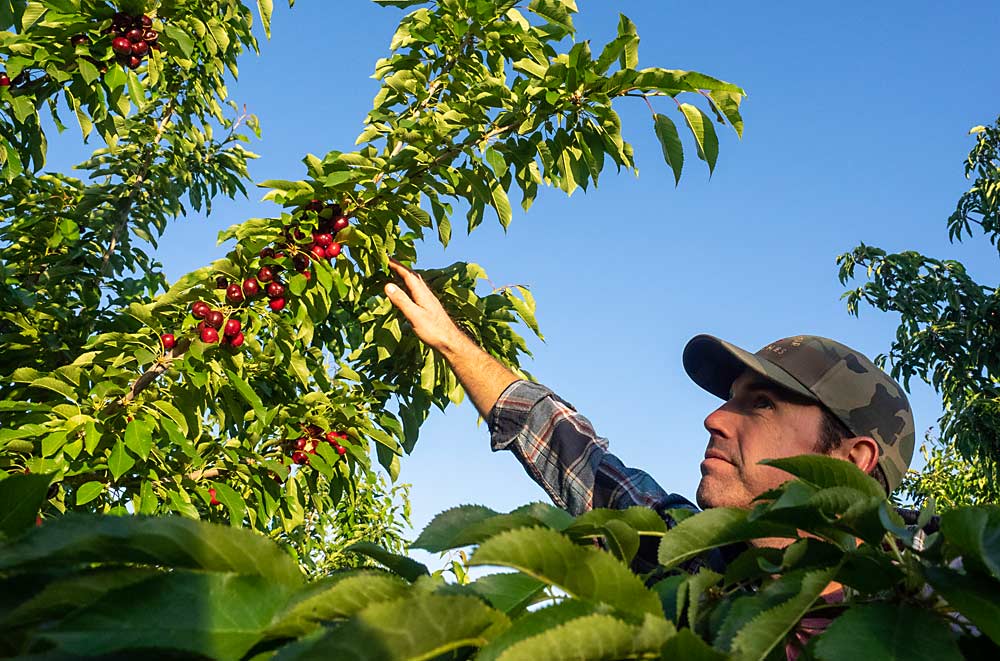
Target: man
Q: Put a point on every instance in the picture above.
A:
(799, 395)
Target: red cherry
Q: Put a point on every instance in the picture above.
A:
(314, 205)
(307, 275)
(333, 250)
(213, 501)
(4, 80)
(300, 457)
(214, 319)
(121, 18)
(237, 340)
(331, 437)
(234, 294)
(134, 35)
(233, 327)
(323, 239)
(134, 62)
(265, 274)
(250, 288)
(317, 252)
(209, 335)
(38, 520)
(267, 252)
(277, 304)
(300, 443)
(300, 262)
(150, 36)
(79, 39)
(339, 223)
(140, 48)
(121, 45)
(145, 21)
(168, 341)
(275, 290)
(341, 449)
(221, 282)
(200, 309)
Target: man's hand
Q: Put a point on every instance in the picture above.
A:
(424, 312)
(483, 378)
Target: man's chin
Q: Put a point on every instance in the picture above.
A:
(715, 492)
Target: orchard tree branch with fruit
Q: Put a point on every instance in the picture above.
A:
(257, 390)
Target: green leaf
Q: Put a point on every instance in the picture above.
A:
(715, 527)
(971, 596)
(594, 637)
(21, 497)
(335, 598)
(767, 630)
(642, 519)
(217, 615)
(629, 58)
(582, 572)
(704, 134)
(534, 623)
(511, 592)
(120, 461)
(688, 646)
(167, 541)
(138, 439)
(555, 12)
(728, 103)
(887, 631)
(670, 143)
(88, 70)
(976, 531)
(409, 569)
(248, 393)
(826, 472)
(88, 491)
(424, 626)
(173, 413)
(472, 524)
(55, 385)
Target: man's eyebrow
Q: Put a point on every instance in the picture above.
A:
(758, 385)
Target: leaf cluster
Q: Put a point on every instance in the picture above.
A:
(85, 585)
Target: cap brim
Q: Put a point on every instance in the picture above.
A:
(714, 364)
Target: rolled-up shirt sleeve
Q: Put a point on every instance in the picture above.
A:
(560, 450)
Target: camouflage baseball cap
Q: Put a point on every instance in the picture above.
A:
(866, 399)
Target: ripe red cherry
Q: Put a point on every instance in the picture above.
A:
(134, 35)
(209, 334)
(267, 252)
(300, 443)
(265, 274)
(237, 340)
(134, 62)
(168, 341)
(221, 282)
(121, 45)
(300, 262)
(150, 36)
(307, 275)
(250, 288)
(317, 252)
(333, 250)
(275, 290)
(300, 457)
(233, 327)
(234, 293)
(211, 495)
(200, 309)
(323, 239)
(277, 304)
(331, 437)
(214, 319)
(339, 223)
(79, 39)
(341, 449)
(145, 21)
(4, 80)
(140, 48)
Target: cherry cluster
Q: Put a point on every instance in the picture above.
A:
(212, 321)
(135, 37)
(305, 445)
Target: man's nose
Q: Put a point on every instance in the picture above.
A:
(720, 422)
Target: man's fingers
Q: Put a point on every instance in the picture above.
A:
(399, 298)
(419, 290)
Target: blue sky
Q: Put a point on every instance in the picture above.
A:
(856, 130)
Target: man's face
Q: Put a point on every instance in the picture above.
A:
(758, 422)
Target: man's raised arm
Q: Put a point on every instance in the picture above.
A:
(482, 376)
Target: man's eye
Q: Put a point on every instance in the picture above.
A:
(763, 402)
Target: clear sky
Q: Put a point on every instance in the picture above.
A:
(856, 130)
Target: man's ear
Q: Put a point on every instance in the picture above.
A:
(862, 451)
